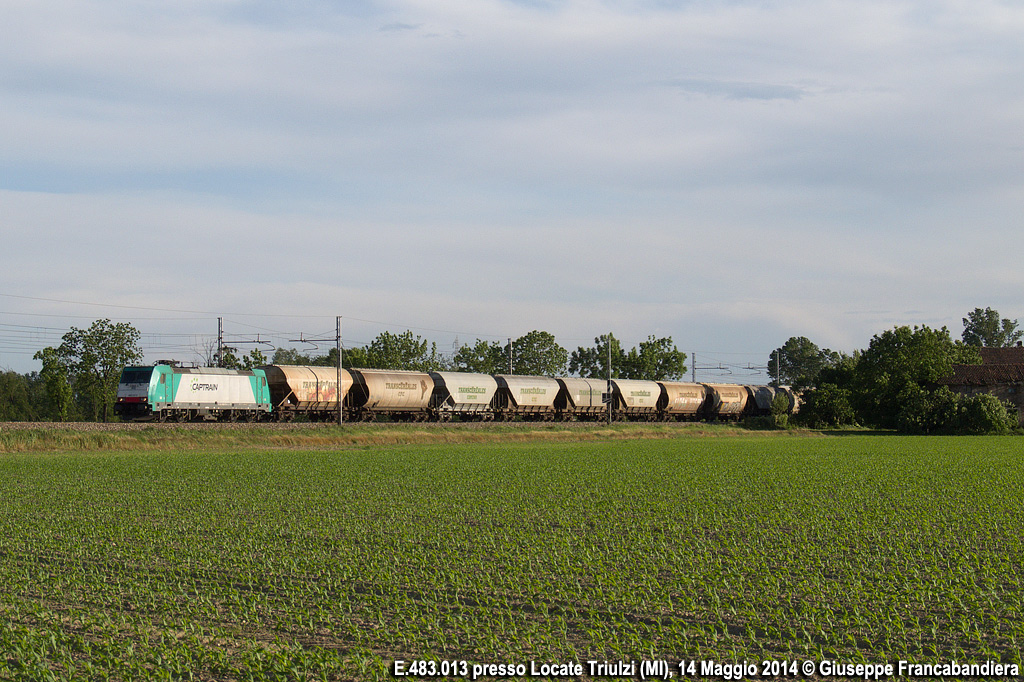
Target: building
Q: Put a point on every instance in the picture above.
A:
(1000, 373)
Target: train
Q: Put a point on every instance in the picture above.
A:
(284, 393)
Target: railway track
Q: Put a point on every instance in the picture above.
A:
(281, 426)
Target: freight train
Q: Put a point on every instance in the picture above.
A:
(287, 392)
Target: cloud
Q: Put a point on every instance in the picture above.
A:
(727, 173)
(399, 26)
(738, 90)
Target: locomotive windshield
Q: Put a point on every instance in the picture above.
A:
(136, 375)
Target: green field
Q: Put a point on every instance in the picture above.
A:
(299, 563)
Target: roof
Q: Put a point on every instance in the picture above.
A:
(985, 375)
(1013, 355)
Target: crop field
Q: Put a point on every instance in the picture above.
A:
(323, 564)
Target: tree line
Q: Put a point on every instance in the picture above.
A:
(535, 354)
(896, 382)
(78, 380)
(79, 377)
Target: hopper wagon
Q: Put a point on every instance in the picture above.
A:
(759, 400)
(725, 401)
(681, 401)
(464, 395)
(635, 399)
(311, 392)
(528, 397)
(397, 394)
(581, 399)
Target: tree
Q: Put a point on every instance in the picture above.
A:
(538, 354)
(942, 411)
(403, 351)
(825, 406)
(16, 399)
(485, 357)
(897, 361)
(983, 328)
(655, 360)
(56, 377)
(95, 358)
(229, 358)
(592, 363)
(254, 359)
(798, 362)
(290, 356)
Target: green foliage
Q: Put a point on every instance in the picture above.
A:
(984, 328)
(538, 354)
(229, 358)
(90, 361)
(20, 397)
(592, 362)
(840, 372)
(799, 361)
(57, 377)
(779, 411)
(899, 359)
(776, 419)
(484, 357)
(254, 359)
(923, 411)
(984, 413)
(403, 351)
(655, 360)
(291, 356)
(826, 406)
(942, 411)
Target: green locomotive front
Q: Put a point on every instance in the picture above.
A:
(166, 393)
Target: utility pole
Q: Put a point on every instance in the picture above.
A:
(341, 410)
(510, 355)
(218, 357)
(337, 341)
(220, 340)
(693, 368)
(611, 396)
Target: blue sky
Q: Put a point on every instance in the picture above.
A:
(726, 173)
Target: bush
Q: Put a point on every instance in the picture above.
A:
(942, 411)
(985, 413)
(923, 412)
(826, 406)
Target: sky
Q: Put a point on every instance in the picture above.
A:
(729, 174)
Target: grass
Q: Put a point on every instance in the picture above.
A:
(136, 437)
(295, 563)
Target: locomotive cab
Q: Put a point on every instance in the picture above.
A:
(134, 392)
